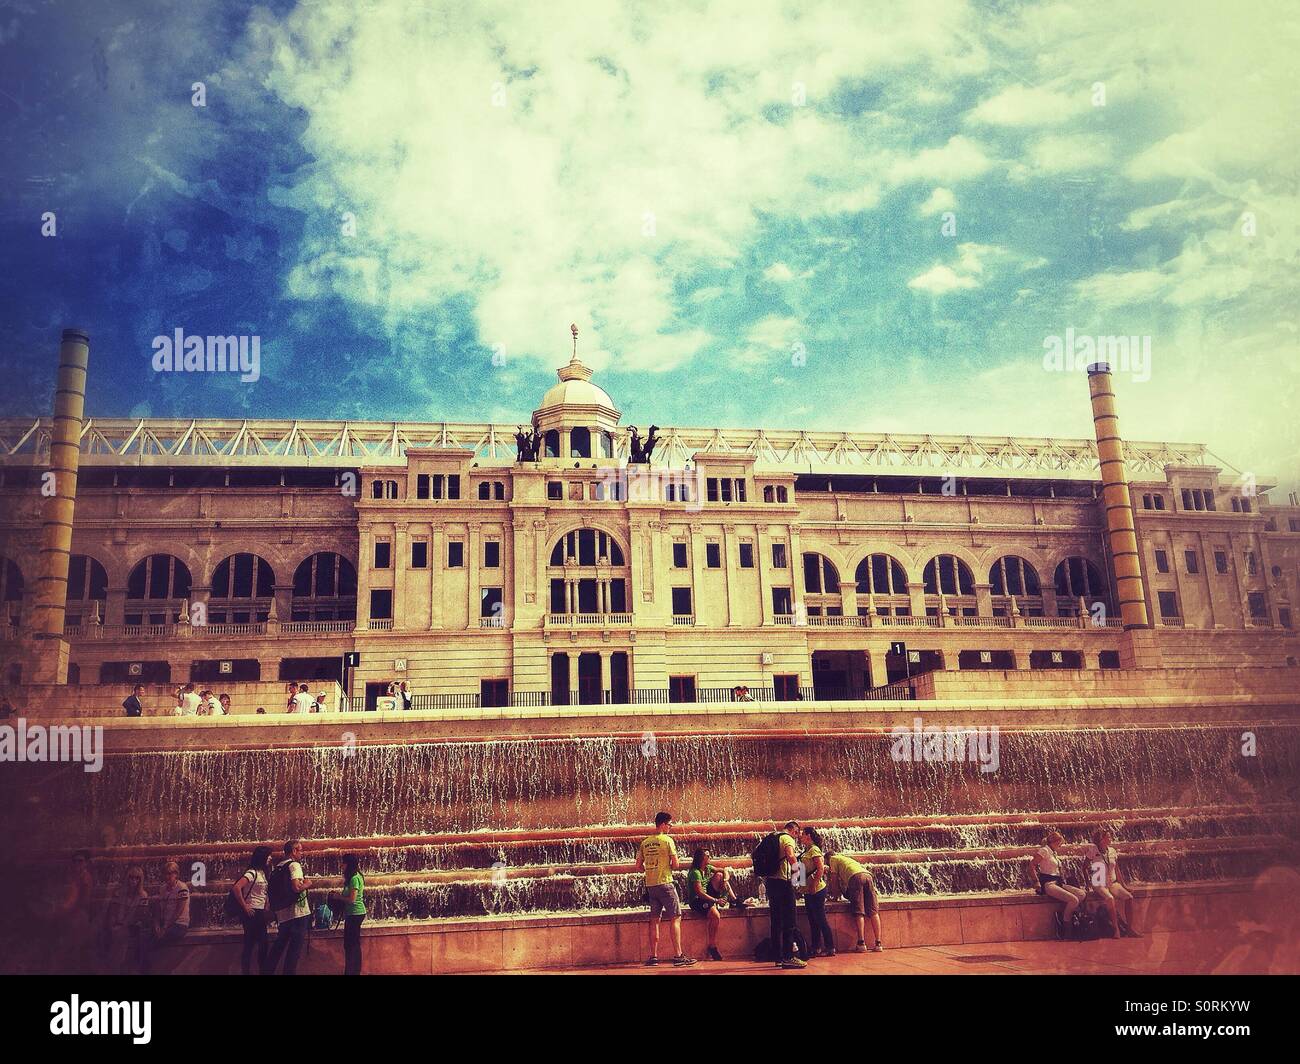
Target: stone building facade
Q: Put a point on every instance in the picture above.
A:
(788, 562)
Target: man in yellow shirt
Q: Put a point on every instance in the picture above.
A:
(846, 878)
(657, 859)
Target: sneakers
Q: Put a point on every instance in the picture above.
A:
(878, 947)
(651, 962)
(683, 961)
(714, 955)
(861, 947)
(794, 963)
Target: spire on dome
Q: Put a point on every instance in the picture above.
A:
(575, 370)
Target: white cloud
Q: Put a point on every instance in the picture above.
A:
(959, 159)
(938, 280)
(941, 199)
(1021, 105)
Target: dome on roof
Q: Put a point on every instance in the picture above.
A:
(575, 389)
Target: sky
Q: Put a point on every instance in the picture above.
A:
(871, 216)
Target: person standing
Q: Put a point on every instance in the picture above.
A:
(847, 878)
(821, 939)
(657, 859)
(224, 699)
(126, 925)
(354, 914)
(134, 706)
(288, 897)
(250, 894)
(779, 886)
(190, 701)
(302, 701)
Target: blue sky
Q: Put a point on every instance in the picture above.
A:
(828, 216)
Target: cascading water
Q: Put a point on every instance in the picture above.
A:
(525, 825)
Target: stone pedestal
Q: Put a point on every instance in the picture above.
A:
(45, 659)
(1139, 648)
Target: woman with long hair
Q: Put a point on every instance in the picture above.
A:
(354, 913)
(821, 940)
(707, 892)
(249, 892)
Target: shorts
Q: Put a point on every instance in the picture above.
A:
(701, 906)
(861, 894)
(663, 899)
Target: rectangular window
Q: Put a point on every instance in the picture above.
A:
(781, 601)
(1168, 603)
(453, 486)
(1250, 563)
(489, 602)
(726, 490)
(1162, 562)
(746, 555)
(419, 554)
(1220, 561)
(713, 556)
(1284, 617)
(491, 554)
(381, 605)
(437, 486)
(679, 555)
(785, 688)
(1258, 608)
(1193, 562)
(740, 491)
(455, 554)
(422, 486)
(383, 554)
(575, 491)
(778, 556)
(711, 489)
(554, 490)
(681, 688)
(682, 602)
(1187, 498)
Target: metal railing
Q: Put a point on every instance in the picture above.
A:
(902, 690)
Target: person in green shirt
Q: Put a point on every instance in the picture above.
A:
(708, 890)
(656, 858)
(354, 913)
(846, 878)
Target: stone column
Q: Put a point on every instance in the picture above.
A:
(473, 560)
(849, 597)
(437, 565)
(365, 561)
(984, 600)
(916, 592)
(401, 560)
(764, 548)
(730, 571)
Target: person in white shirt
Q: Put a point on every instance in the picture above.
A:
(190, 701)
(212, 707)
(302, 701)
(250, 894)
(1105, 883)
(321, 705)
(1046, 866)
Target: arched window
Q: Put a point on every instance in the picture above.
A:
(159, 576)
(11, 580)
(87, 579)
(377, 489)
(325, 589)
(1078, 577)
(1013, 575)
(782, 495)
(596, 591)
(498, 491)
(551, 444)
(879, 574)
(242, 588)
(820, 576)
(155, 588)
(948, 575)
(579, 443)
(586, 546)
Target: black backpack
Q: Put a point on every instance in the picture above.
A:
(280, 892)
(765, 954)
(767, 855)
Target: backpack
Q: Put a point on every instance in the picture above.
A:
(280, 892)
(232, 908)
(1091, 921)
(324, 920)
(767, 855)
(765, 954)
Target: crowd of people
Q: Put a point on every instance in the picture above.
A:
(787, 870)
(798, 862)
(192, 701)
(135, 920)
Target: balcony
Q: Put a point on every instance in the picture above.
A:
(589, 620)
(491, 622)
(385, 625)
(683, 620)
